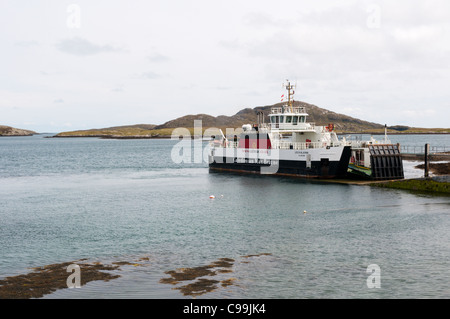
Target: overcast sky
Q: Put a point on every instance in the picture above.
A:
(69, 65)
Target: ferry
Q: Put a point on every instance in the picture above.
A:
(289, 145)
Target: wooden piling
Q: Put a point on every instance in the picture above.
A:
(426, 166)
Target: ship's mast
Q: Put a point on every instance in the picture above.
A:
(290, 89)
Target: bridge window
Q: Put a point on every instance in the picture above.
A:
(302, 119)
(288, 119)
(295, 118)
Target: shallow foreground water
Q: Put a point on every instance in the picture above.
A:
(126, 200)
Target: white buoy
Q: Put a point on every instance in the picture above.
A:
(304, 212)
(212, 196)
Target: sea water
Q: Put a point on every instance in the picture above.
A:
(121, 200)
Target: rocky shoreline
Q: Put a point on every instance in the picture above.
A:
(437, 168)
(442, 156)
(189, 281)
(425, 185)
(47, 279)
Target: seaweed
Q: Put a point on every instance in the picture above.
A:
(47, 279)
(200, 285)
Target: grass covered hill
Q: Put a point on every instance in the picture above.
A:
(12, 131)
(137, 130)
(319, 116)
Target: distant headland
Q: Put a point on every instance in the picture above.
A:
(12, 131)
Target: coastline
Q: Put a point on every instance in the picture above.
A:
(425, 185)
(156, 136)
(124, 137)
(7, 131)
(396, 133)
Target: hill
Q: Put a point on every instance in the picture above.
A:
(12, 131)
(317, 115)
(125, 131)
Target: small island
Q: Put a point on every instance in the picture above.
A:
(12, 131)
(138, 131)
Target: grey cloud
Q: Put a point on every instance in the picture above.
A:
(83, 47)
(27, 44)
(156, 57)
(117, 89)
(150, 75)
(231, 44)
(223, 88)
(262, 19)
(336, 42)
(348, 15)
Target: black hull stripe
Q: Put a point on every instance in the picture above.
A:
(319, 169)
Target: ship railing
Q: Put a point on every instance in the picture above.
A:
(420, 149)
(264, 125)
(280, 145)
(223, 144)
(298, 145)
(287, 109)
(294, 127)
